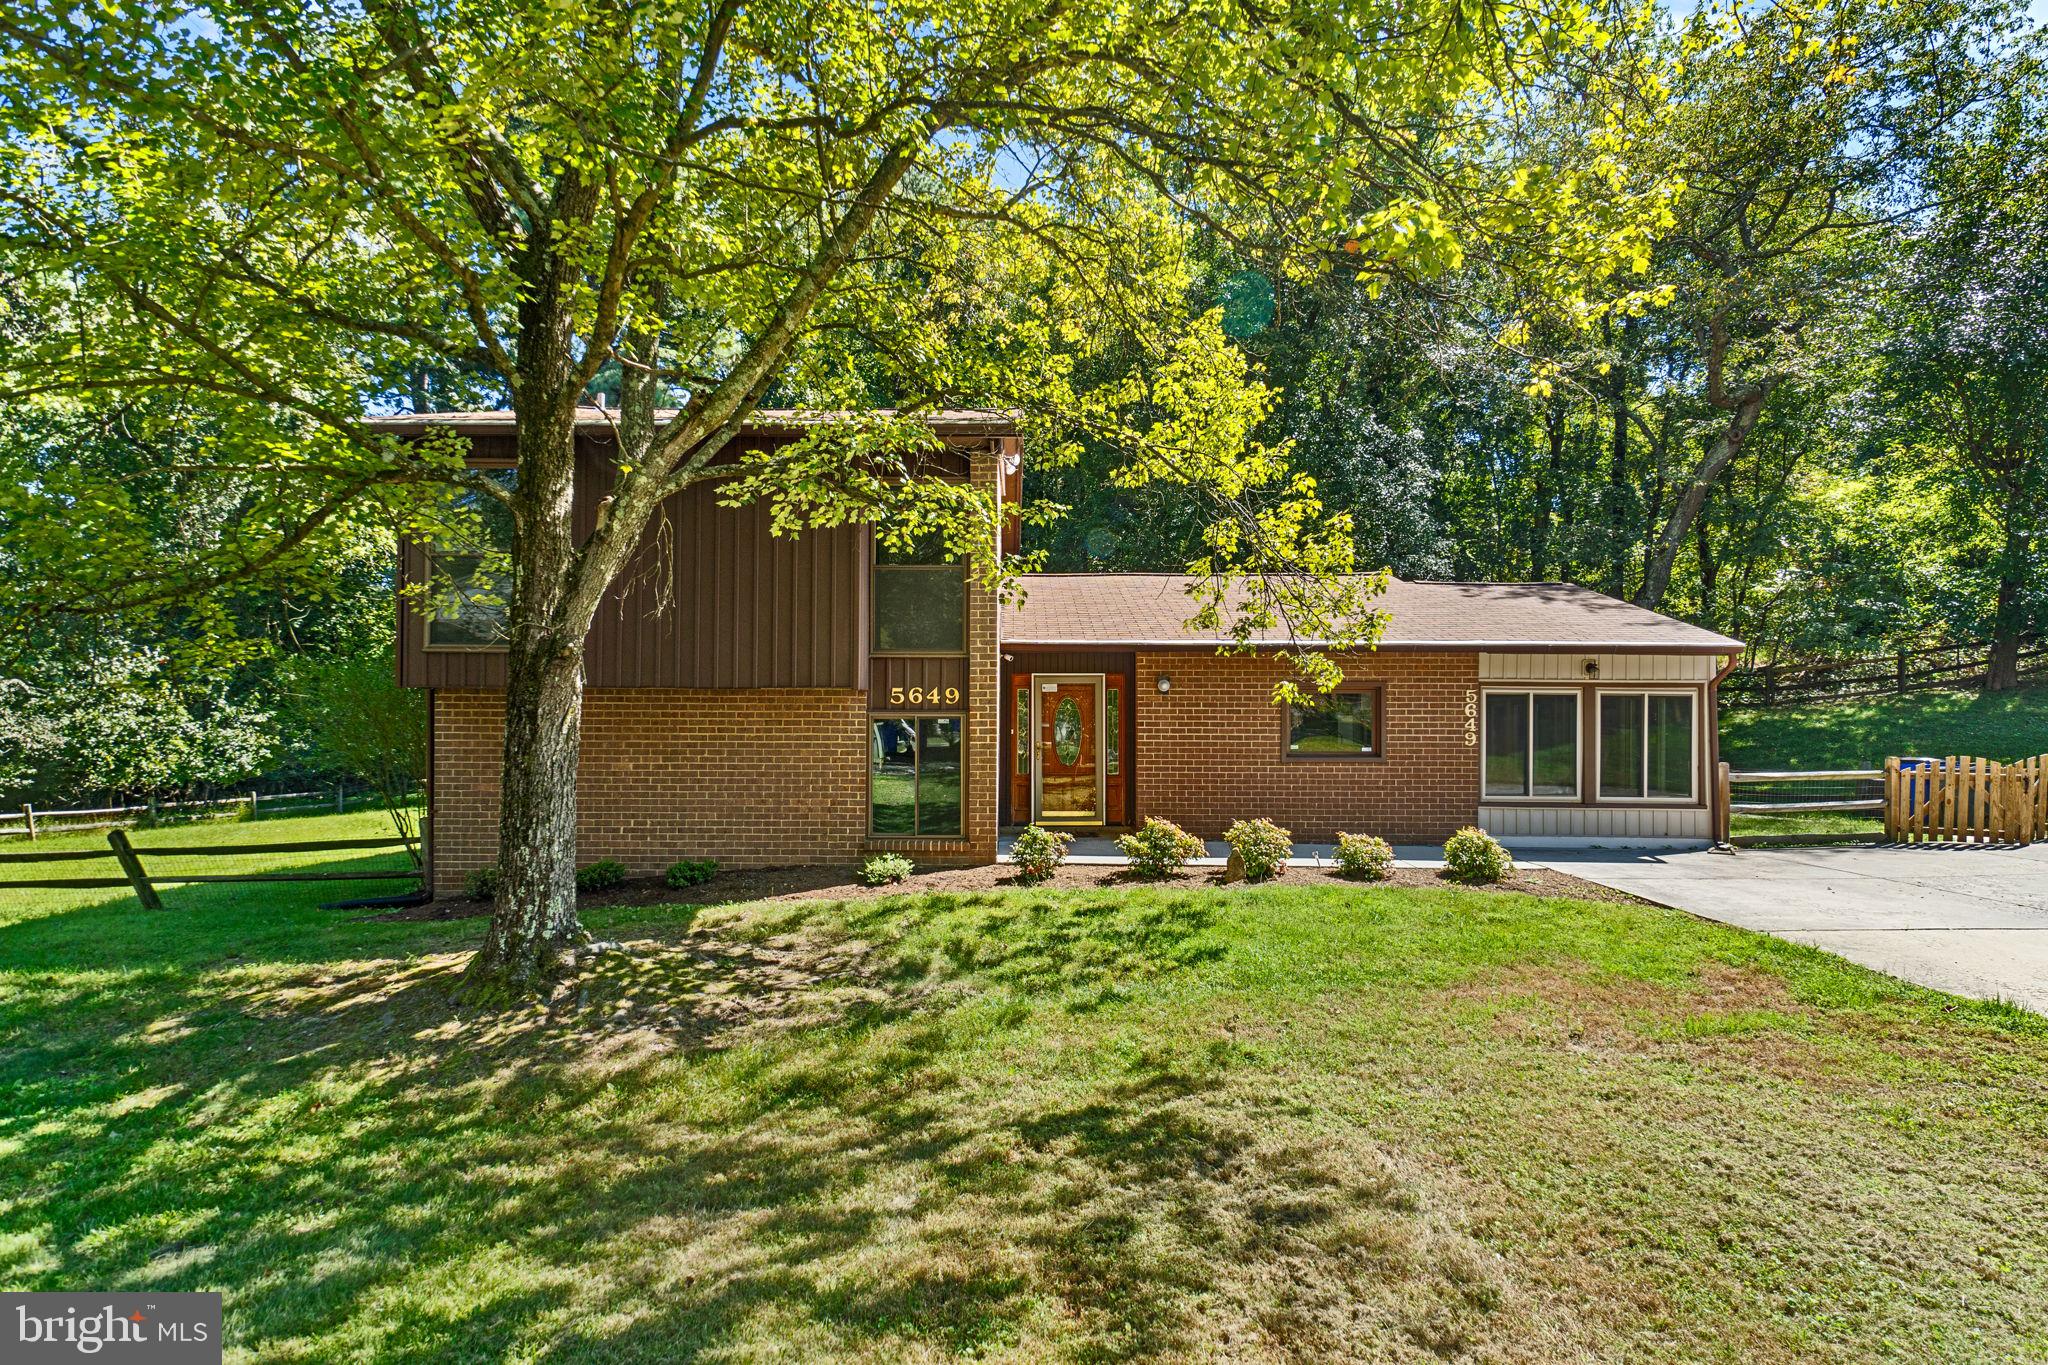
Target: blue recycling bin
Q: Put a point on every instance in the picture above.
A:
(1907, 765)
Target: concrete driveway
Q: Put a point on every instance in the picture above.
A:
(1971, 921)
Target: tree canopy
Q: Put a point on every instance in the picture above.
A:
(294, 216)
(1485, 289)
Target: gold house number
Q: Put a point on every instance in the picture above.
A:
(924, 696)
(1471, 718)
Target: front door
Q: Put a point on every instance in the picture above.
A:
(1069, 786)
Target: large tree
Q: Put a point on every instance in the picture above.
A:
(1964, 365)
(294, 213)
(1795, 127)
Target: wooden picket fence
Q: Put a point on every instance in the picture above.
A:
(1956, 800)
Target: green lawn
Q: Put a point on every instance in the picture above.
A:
(1292, 1123)
(1862, 734)
(1807, 822)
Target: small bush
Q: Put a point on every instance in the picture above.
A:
(1037, 852)
(1160, 849)
(883, 869)
(602, 875)
(1364, 856)
(1473, 855)
(1260, 847)
(690, 872)
(482, 884)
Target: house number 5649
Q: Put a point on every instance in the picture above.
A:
(1471, 717)
(924, 696)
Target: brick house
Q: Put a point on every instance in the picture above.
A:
(769, 700)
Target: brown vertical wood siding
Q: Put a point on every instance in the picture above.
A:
(743, 608)
(921, 672)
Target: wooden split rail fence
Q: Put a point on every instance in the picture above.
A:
(1953, 800)
(1916, 800)
(1833, 791)
(29, 820)
(144, 883)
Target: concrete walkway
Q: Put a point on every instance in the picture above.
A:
(1968, 920)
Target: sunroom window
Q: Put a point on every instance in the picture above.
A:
(1532, 744)
(1646, 746)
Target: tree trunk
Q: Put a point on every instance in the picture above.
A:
(1617, 464)
(1549, 479)
(2008, 625)
(1693, 497)
(534, 922)
(1703, 546)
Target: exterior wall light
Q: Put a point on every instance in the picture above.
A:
(1592, 668)
(1164, 684)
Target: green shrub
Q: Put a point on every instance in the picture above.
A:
(1473, 855)
(602, 875)
(1261, 848)
(482, 884)
(1037, 852)
(1160, 849)
(690, 872)
(883, 869)
(1364, 856)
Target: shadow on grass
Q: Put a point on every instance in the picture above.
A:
(704, 1140)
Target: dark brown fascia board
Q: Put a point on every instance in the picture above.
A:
(1397, 646)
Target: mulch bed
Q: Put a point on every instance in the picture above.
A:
(837, 883)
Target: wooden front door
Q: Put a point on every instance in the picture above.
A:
(1069, 781)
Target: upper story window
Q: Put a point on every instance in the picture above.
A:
(470, 584)
(1337, 725)
(920, 599)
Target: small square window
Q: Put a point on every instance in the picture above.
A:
(1337, 725)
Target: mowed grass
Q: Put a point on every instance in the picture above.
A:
(1862, 734)
(1283, 1123)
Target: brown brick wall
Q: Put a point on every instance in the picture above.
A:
(1209, 751)
(752, 778)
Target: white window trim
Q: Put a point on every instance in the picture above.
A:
(1692, 769)
(1578, 697)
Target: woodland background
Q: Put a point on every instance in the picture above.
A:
(1823, 428)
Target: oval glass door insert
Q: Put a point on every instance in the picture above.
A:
(1066, 731)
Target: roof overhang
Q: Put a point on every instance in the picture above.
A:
(1409, 646)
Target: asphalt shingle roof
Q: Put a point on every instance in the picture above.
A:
(1152, 609)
